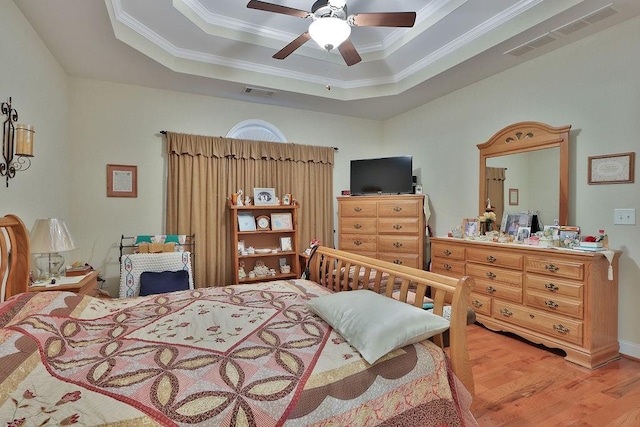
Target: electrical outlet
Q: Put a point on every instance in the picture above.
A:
(624, 217)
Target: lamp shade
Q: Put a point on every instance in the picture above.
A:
(50, 235)
(329, 32)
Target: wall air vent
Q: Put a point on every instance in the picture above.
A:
(255, 91)
(565, 30)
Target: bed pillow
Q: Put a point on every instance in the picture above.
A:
(142, 239)
(166, 281)
(375, 324)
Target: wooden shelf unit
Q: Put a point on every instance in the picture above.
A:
(264, 239)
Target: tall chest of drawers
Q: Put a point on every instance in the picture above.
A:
(390, 228)
(560, 298)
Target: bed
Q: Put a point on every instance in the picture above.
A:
(245, 355)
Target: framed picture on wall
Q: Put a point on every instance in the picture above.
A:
(513, 197)
(122, 181)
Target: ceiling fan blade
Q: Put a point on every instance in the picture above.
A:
(385, 19)
(270, 7)
(349, 53)
(291, 47)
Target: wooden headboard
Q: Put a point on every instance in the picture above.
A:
(14, 256)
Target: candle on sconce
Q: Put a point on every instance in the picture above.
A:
(24, 140)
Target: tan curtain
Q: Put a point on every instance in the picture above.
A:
(494, 189)
(204, 171)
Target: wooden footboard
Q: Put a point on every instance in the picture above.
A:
(14, 256)
(326, 262)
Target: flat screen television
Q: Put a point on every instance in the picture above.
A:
(388, 175)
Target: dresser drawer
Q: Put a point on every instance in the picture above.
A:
(358, 242)
(555, 267)
(498, 290)
(399, 208)
(495, 274)
(358, 226)
(447, 251)
(481, 304)
(551, 286)
(447, 267)
(495, 257)
(358, 208)
(408, 260)
(398, 226)
(555, 326)
(563, 306)
(393, 244)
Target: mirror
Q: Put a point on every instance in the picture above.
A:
(536, 158)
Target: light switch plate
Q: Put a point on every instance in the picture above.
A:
(624, 216)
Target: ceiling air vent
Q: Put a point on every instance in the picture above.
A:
(601, 14)
(586, 20)
(255, 91)
(530, 45)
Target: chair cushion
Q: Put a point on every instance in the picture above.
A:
(166, 281)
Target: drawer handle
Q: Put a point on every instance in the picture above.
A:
(551, 304)
(357, 226)
(491, 275)
(560, 328)
(551, 268)
(357, 242)
(551, 287)
(506, 312)
(476, 303)
(447, 266)
(491, 289)
(398, 244)
(397, 262)
(491, 259)
(398, 227)
(357, 209)
(447, 252)
(397, 209)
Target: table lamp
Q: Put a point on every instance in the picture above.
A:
(48, 237)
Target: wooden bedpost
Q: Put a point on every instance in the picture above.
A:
(17, 264)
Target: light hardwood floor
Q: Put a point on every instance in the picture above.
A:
(522, 384)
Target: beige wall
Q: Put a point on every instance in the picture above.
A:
(38, 86)
(592, 85)
(83, 125)
(120, 124)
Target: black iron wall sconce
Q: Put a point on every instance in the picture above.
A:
(17, 143)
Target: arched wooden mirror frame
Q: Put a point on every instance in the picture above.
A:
(523, 137)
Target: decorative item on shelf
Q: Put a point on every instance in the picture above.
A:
(286, 199)
(487, 219)
(285, 269)
(241, 273)
(281, 221)
(286, 244)
(260, 269)
(48, 237)
(247, 201)
(471, 227)
(264, 196)
(569, 236)
(236, 198)
(246, 221)
(598, 242)
(17, 143)
(263, 222)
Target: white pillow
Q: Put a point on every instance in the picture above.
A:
(375, 324)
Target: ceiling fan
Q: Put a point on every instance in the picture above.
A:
(331, 26)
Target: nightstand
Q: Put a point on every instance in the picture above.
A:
(86, 285)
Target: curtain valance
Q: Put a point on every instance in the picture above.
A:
(220, 147)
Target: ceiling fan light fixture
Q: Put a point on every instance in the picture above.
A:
(338, 3)
(329, 32)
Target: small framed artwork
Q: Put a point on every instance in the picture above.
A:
(471, 227)
(240, 246)
(513, 197)
(286, 199)
(122, 181)
(569, 236)
(612, 168)
(246, 221)
(286, 244)
(281, 221)
(512, 221)
(264, 196)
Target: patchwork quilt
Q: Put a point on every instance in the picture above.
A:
(246, 355)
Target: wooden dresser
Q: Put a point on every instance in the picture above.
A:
(559, 298)
(390, 228)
